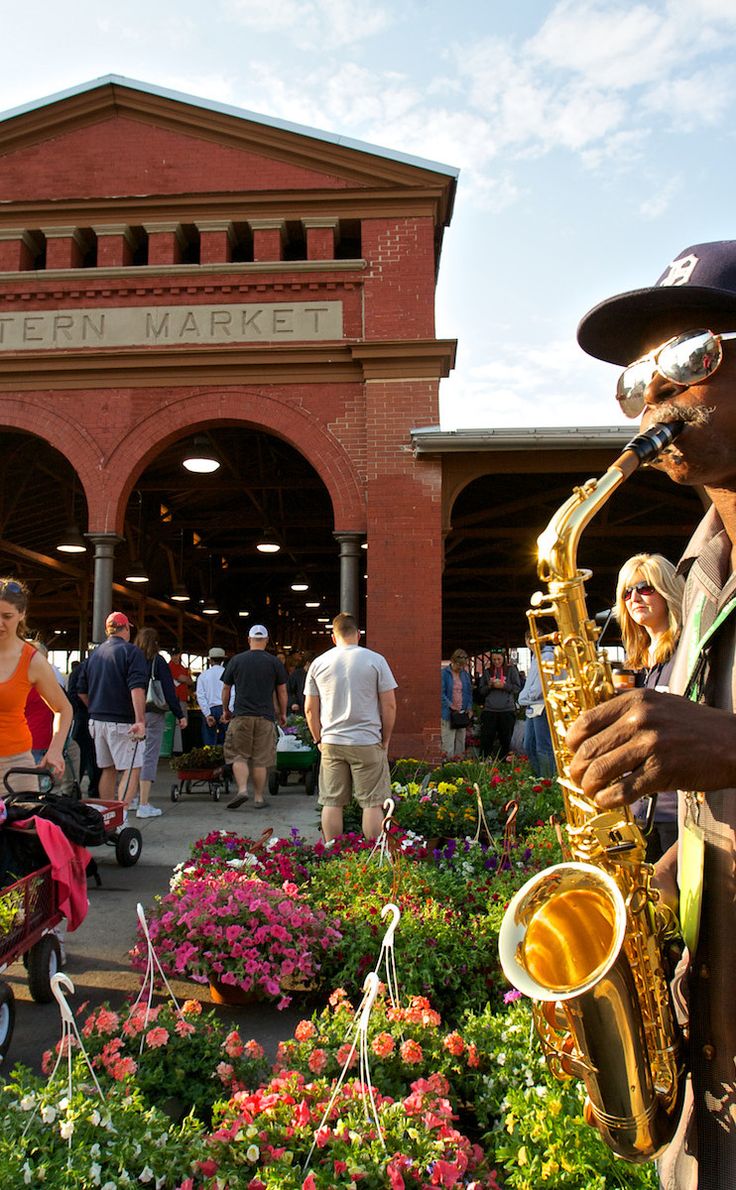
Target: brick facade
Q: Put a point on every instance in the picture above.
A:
(263, 209)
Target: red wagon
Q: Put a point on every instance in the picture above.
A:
(29, 912)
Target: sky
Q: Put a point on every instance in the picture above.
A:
(594, 138)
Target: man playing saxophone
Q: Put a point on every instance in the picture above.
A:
(677, 343)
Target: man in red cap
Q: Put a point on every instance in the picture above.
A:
(113, 685)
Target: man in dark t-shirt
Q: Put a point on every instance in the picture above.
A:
(113, 686)
(260, 681)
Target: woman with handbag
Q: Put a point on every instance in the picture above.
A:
(160, 697)
(457, 704)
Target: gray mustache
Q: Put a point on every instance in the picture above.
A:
(690, 415)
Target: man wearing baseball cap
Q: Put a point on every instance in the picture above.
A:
(260, 681)
(676, 341)
(113, 685)
(209, 698)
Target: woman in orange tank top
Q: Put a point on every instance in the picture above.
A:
(22, 667)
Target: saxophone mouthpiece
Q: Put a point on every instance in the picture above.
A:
(653, 441)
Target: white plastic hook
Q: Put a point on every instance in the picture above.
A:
(58, 982)
(395, 912)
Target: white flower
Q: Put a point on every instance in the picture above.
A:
(95, 1149)
(161, 1140)
(94, 1118)
(27, 1174)
(66, 1128)
(48, 1114)
(501, 1058)
(95, 1172)
(251, 1131)
(109, 1186)
(63, 1104)
(146, 1174)
(27, 1102)
(252, 1153)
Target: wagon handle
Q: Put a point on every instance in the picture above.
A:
(45, 775)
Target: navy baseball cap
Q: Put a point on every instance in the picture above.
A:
(701, 281)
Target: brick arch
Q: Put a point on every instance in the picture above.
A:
(67, 435)
(255, 409)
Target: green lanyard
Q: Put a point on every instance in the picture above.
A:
(698, 642)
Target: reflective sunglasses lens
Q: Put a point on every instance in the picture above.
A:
(631, 386)
(690, 358)
(640, 588)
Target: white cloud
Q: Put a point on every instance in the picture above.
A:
(325, 24)
(522, 384)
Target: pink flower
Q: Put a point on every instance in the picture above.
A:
(309, 1182)
(411, 1053)
(383, 1045)
(123, 1068)
(233, 1045)
(454, 1044)
(317, 1061)
(253, 1049)
(305, 1030)
(344, 1053)
(511, 996)
(157, 1037)
(191, 1008)
(473, 1056)
(224, 1072)
(184, 1028)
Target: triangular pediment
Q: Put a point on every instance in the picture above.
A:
(116, 137)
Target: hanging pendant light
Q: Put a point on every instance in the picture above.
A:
(269, 542)
(71, 540)
(136, 572)
(180, 593)
(300, 583)
(209, 605)
(200, 457)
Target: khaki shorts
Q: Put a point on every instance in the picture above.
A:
(114, 746)
(354, 770)
(252, 738)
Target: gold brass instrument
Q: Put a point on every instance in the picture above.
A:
(588, 940)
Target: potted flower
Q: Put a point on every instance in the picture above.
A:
(180, 1061)
(198, 763)
(239, 934)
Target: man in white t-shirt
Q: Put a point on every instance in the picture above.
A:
(350, 706)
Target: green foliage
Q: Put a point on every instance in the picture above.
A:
(199, 760)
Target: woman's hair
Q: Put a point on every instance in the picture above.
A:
(12, 590)
(147, 640)
(661, 574)
(459, 657)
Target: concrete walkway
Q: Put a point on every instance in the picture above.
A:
(97, 953)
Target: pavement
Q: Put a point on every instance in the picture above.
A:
(97, 952)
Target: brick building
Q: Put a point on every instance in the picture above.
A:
(170, 267)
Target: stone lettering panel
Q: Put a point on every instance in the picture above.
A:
(170, 326)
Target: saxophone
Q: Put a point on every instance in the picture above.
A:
(588, 940)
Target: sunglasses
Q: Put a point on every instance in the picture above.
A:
(11, 586)
(687, 359)
(641, 588)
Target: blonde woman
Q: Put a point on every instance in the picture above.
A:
(648, 608)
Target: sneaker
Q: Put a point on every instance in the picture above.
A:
(148, 812)
(134, 804)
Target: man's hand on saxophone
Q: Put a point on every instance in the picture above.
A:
(643, 741)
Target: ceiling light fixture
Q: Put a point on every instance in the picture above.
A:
(312, 603)
(210, 608)
(180, 593)
(300, 583)
(200, 457)
(72, 541)
(269, 542)
(136, 572)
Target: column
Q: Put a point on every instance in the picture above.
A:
(115, 246)
(268, 239)
(64, 247)
(164, 243)
(104, 544)
(215, 241)
(349, 571)
(18, 251)
(320, 238)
